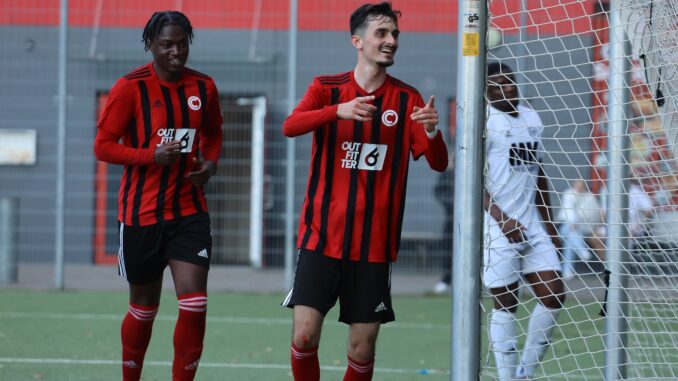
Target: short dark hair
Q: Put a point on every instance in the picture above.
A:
(162, 19)
(494, 68)
(369, 12)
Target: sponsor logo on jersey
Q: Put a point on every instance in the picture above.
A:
(366, 156)
(524, 155)
(389, 118)
(194, 103)
(184, 135)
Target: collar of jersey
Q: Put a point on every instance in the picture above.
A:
(378, 92)
(176, 84)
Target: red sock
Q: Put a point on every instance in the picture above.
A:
(135, 333)
(357, 371)
(188, 335)
(305, 365)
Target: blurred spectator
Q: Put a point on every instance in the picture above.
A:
(581, 227)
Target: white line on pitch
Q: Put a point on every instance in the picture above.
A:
(211, 319)
(57, 361)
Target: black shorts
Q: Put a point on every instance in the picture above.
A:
(363, 288)
(145, 250)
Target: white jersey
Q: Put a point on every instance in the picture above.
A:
(513, 155)
(514, 151)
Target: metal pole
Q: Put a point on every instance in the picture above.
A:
(290, 147)
(8, 227)
(465, 347)
(257, 175)
(522, 49)
(618, 98)
(61, 149)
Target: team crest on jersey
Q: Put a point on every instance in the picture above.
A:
(183, 135)
(365, 156)
(534, 131)
(389, 118)
(194, 103)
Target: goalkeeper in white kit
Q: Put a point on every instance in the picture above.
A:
(519, 238)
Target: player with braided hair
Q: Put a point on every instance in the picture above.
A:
(169, 120)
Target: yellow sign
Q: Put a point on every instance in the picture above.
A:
(470, 45)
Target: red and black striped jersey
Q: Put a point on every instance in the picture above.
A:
(355, 197)
(145, 112)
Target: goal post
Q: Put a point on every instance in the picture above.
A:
(603, 78)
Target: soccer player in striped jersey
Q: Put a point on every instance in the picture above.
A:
(365, 126)
(520, 238)
(162, 122)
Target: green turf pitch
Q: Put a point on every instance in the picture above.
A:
(75, 336)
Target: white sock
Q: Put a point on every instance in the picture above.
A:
(504, 342)
(539, 332)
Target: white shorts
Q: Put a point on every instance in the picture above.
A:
(504, 262)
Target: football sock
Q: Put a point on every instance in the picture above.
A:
(188, 335)
(503, 340)
(540, 329)
(305, 366)
(135, 333)
(358, 371)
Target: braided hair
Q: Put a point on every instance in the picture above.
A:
(162, 19)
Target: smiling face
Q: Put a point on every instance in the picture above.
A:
(170, 52)
(377, 42)
(502, 92)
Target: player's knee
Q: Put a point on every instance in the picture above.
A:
(553, 301)
(305, 339)
(507, 304)
(362, 351)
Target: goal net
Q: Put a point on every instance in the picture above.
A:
(559, 53)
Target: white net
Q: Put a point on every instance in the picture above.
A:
(559, 53)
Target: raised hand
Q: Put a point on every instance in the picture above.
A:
(357, 109)
(427, 116)
(201, 172)
(167, 153)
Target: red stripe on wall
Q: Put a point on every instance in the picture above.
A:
(440, 16)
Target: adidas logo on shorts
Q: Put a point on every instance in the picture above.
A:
(203, 253)
(380, 307)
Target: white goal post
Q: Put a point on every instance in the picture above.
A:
(603, 77)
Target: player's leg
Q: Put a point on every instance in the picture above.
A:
(190, 282)
(306, 329)
(141, 264)
(543, 268)
(503, 326)
(362, 343)
(188, 250)
(501, 275)
(365, 299)
(314, 293)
